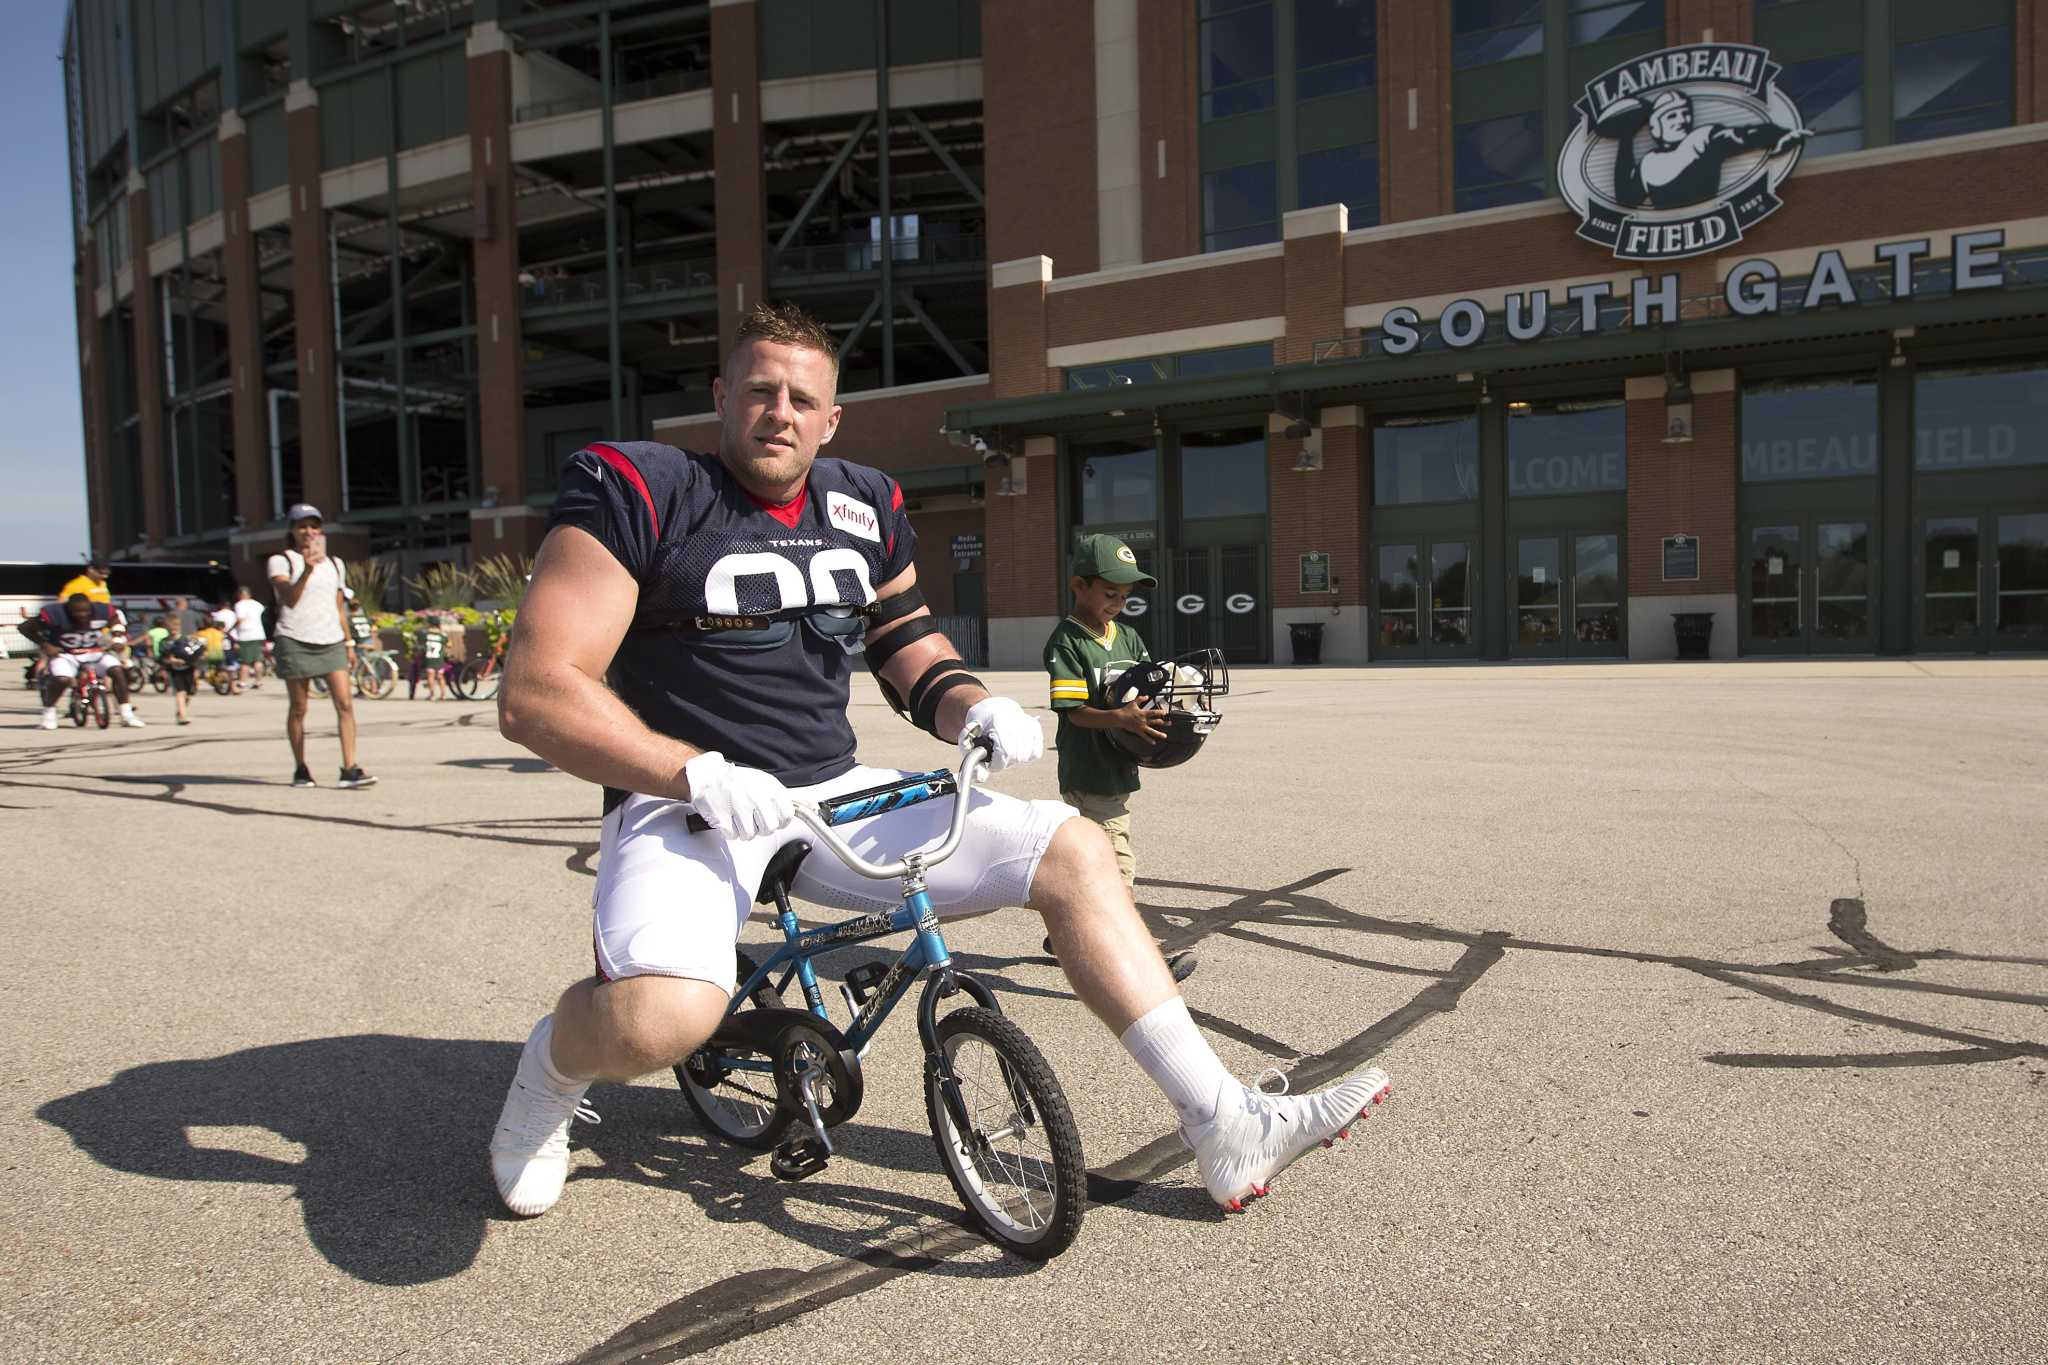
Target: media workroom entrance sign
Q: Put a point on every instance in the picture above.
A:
(1678, 152)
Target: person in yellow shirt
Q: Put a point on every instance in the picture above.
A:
(93, 583)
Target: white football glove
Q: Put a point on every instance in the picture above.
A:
(1017, 736)
(741, 803)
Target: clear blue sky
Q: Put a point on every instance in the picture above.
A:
(42, 442)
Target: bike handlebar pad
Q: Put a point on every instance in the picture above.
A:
(844, 810)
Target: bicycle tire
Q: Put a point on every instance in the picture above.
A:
(78, 702)
(219, 678)
(1041, 1216)
(466, 679)
(487, 683)
(378, 677)
(160, 679)
(744, 1113)
(102, 712)
(318, 682)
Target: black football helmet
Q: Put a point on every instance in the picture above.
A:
(1184, 690)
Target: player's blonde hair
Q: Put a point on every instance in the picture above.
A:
(786, 324)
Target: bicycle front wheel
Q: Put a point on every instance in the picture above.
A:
(1019, 1168)
(102, 712)
(376, 675)
(737, 1102)
(220, 681)
(464, 683)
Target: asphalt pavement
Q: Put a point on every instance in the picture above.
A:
(1715, 998)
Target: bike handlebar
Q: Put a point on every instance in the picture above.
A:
(820, 817)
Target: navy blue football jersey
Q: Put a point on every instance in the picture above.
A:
(714, 566)
(55, 622)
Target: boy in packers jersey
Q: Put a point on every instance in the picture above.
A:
(1085, 651)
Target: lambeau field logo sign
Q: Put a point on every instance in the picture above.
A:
(1678, 152)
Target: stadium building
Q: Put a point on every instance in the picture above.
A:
(1401, 330)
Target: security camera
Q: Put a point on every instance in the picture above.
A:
(1298, 430)
(1119, 380)
(980, 447)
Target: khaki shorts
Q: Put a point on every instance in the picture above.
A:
(297, 660)
(1113, 813)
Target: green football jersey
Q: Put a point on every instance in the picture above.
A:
(1077, 660)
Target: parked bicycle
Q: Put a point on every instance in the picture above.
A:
(478, 679)
(1005, 1133)
(374, 675)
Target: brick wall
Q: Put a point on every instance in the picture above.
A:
(92, 370)
(1930, 193)
(1688, 489)
(935, 562)
(501, 434)
(1017, 340)
(2030, 60)
(1686, 21)
(250, 422)
(1313, 282)
(1157, 303)
(1168, 112)
(149, 371)
(313, 313)
(1317, 511)
(1038, 100)
(1023, 559)
(736, 151)
(1415, 54)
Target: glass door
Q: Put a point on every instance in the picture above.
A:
(1808, 588)
(2020, 619)
(1568, 596)
(1976, 596)
(1423, 601)
(1217, 593)
(1539, 595)
(1951, 582)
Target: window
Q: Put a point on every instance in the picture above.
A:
(1595, 21)
(1342, 175)
(1117, 483)
(1950, 67)
(1335, 49)
(1818, 430)
(1980, 419)
(1428, 459)
(1828, 92)
(1498, 161)
(1223, 473)
(1237, 57)
(1159, 369)
(1487, 31)
(1240, 207)
(1957, 83)
(1567, 448)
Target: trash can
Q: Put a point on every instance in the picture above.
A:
(1693, 629)
(1307, 639)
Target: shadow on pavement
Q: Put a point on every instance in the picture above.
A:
(508, 763)
(393, 1182)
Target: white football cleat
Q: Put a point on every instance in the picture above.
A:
(1255, 1135)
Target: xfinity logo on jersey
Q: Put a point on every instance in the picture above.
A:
(1678, 152)
(855, 518)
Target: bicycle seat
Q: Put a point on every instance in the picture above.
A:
(781, 871)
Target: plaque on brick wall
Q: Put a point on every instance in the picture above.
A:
(1315, 572)
(1681, 558)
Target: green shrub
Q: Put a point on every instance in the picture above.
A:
(444, 585)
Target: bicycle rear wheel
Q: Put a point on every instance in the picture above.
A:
(160, 678)
(1019, 1170)
(375, 677)
(738, 1105)
(464, 683)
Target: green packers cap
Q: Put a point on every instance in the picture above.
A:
(1107, 557)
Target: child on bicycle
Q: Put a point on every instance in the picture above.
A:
(1084, 651)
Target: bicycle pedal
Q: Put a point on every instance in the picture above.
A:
(798, 1158)
(861, 981)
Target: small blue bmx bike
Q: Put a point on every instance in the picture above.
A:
(1005, 1133)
